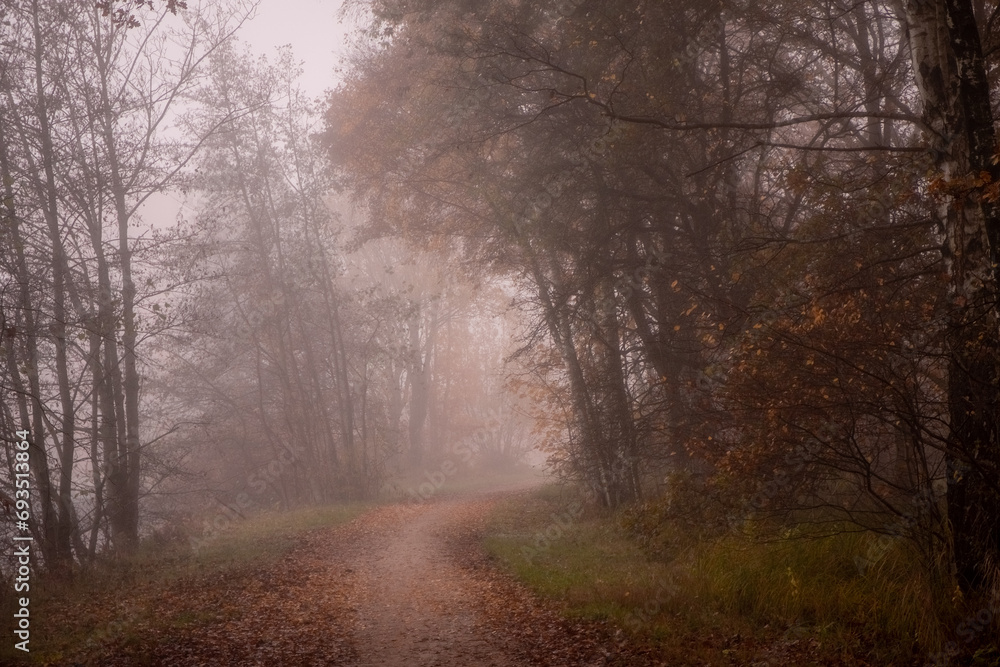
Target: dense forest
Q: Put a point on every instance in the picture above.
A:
(759, 242)
(729, 264)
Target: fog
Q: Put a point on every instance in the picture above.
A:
(589, 303)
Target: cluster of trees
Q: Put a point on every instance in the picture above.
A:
(84, 105)
(759, 240)
(755, 245)
(255, 351)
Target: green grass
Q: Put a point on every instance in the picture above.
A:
(265, 537)
(114, 599)
(571, 556)
(795, 592)
(814, 583)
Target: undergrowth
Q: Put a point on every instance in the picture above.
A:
(737, 596)
(109, 600)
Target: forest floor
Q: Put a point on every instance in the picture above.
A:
(516, 573)
(400, 584)
(426, 595)
(435, 582)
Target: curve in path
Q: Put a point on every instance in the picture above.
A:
(398, 585)
(418, 605)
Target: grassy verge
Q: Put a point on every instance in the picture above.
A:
(453, 477)
(735, 599)
(113, 599)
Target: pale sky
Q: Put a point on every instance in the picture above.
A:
(318, 40)
(313, 29)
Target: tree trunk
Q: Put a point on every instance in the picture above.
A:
(49, 195)
(951, 77)
(124, 473)
(25, 327)
(420, 359)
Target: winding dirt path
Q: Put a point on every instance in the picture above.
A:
(418, 605)
(399, 585)
(424, 594)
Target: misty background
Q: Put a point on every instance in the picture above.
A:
(728, 269)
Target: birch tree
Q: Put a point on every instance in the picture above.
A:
(950, 71)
